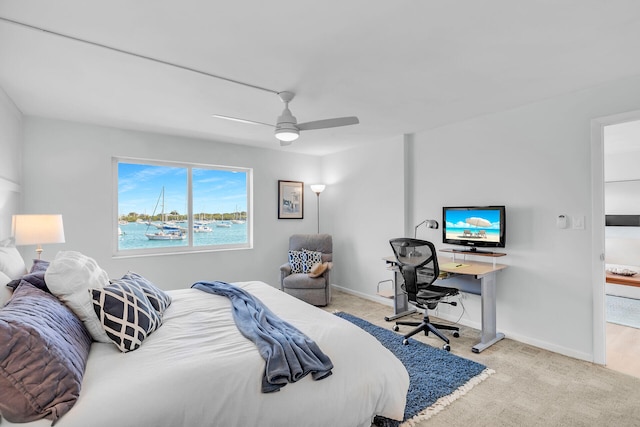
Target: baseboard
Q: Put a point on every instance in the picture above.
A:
(374, 298)
(477, 326)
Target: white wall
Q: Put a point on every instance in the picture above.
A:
(68, 170)
(364, 207)
(10, 162)
(622, 244)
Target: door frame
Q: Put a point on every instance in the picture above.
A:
(597, 233)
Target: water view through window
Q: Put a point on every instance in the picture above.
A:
(181, 207)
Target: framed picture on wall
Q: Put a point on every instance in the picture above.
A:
(290, 199)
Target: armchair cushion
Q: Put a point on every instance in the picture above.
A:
(304, 281)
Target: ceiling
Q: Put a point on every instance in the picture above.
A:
(400, 66)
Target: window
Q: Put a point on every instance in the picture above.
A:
(175, 207)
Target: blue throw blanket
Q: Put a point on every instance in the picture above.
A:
(289, 354)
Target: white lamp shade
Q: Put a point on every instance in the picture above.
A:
(37, 229)
(317, 188)
(287, 135)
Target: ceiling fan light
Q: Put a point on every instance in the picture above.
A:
(287, 133)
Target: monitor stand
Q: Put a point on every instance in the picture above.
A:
(476, 251)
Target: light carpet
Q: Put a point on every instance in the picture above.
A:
(437, 377)
(623, 311)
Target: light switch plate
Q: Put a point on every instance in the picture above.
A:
(577, 222)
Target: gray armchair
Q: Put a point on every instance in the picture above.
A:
(314, 290)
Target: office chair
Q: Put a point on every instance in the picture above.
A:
(418, 264)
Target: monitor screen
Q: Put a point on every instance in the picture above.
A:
(474, 226)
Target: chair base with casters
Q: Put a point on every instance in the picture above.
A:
(426, 326)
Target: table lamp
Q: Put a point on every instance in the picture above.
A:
(37, 230)
(429, 223)
(318, 188)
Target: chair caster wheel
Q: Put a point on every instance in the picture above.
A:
(396, 328)
(446, 347)
(456, 334)
(405, 342)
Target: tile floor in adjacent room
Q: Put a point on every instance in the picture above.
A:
(623, 349)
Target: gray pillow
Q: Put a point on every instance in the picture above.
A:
(43, 352)
(159, 299)
(35, 276)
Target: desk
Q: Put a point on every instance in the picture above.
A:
(482, 272)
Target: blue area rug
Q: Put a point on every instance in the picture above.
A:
(623, 311)
(436, 377)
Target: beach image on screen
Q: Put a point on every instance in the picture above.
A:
(473, 225)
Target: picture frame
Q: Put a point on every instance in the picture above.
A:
(290, 199)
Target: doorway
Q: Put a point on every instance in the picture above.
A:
(621, 202)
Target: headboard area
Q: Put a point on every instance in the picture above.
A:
(9, 203)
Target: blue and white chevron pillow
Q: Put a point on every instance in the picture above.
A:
(126, 314)
(311, 258)
(296, 261)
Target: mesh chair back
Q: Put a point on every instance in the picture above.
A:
(413, 255)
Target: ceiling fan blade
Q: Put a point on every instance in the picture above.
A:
(235, 119)
(328, 123)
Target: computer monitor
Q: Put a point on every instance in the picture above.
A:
(474, 226)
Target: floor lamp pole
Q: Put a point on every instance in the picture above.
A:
(318, 188)
(318, 205)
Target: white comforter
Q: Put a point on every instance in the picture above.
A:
(197, 370)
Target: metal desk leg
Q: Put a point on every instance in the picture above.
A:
(400, 301)
(489, 336)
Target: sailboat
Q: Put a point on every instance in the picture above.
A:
(236, 217)
(165, 231)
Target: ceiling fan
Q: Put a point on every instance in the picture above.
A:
(287, 127)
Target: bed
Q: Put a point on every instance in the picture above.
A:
(197, 370)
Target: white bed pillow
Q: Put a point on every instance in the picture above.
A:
(11, 262)
(69, 277)
(5, 291)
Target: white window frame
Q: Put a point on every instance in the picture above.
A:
(189, 248)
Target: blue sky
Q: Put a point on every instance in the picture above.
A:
(214, 191)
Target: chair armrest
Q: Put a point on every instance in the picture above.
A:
(286, 268)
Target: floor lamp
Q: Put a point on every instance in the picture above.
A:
(37, 230)
(318, 188)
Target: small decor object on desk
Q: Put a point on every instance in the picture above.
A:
(290, 199)
(622, 271)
